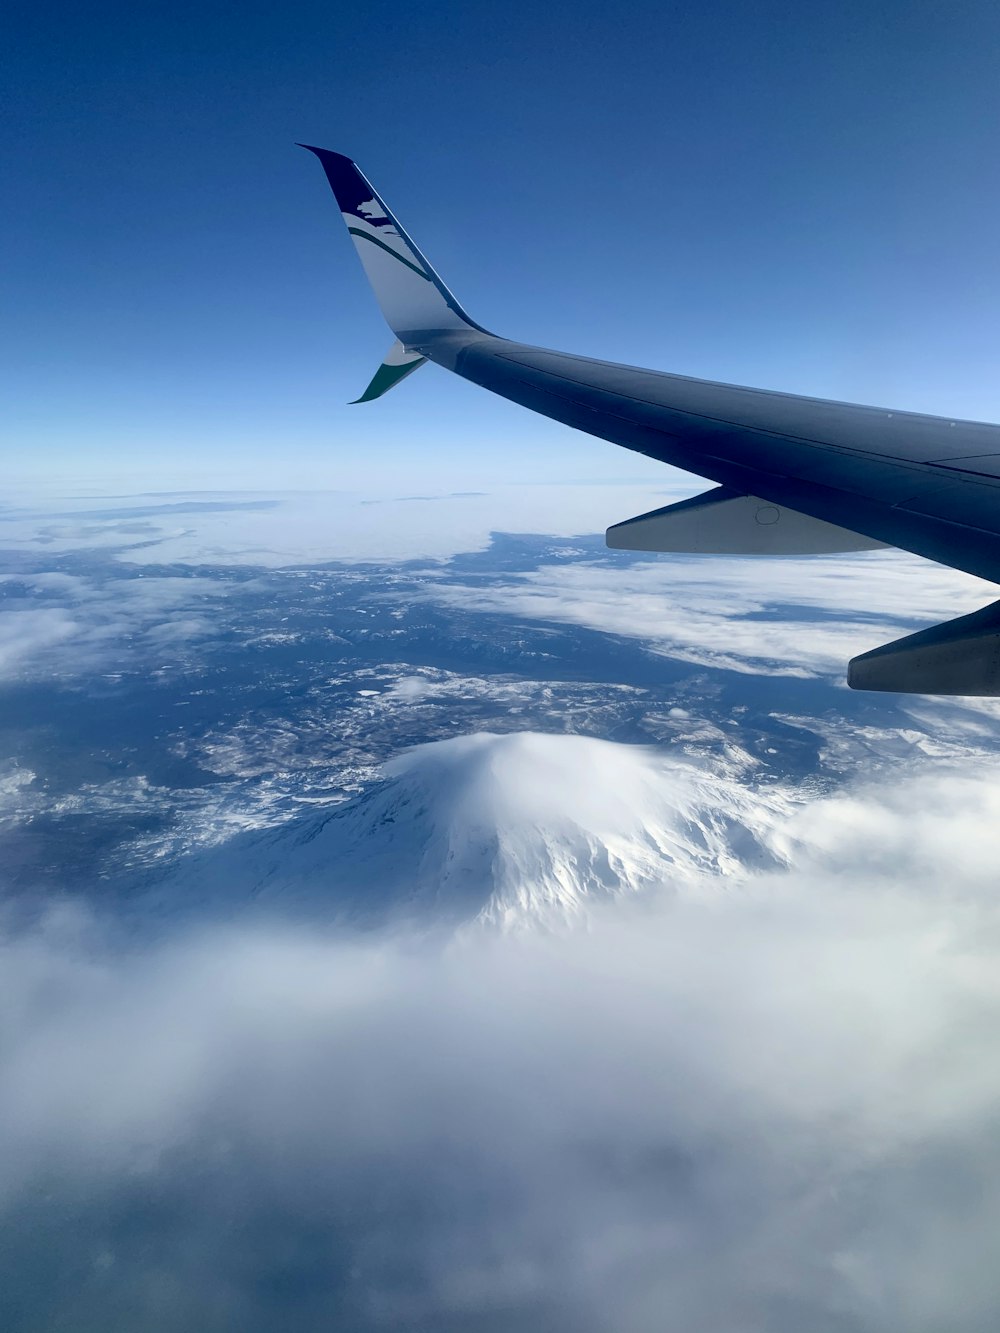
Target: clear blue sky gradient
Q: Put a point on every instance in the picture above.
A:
(800, 196)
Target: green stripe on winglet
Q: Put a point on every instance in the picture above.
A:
(389, 251)
(385, 379)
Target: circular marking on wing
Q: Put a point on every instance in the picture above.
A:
(767, 515)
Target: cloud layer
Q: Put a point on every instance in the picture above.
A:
(793, 617)
(274, 529)
(770, 1105)
(56, 623)
(770, 1110)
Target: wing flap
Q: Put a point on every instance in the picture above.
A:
(723, 522)
(959, 657)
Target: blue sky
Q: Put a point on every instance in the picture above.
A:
(799, 196)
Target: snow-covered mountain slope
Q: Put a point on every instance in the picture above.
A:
(504, 828)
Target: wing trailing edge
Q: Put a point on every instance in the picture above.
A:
(789, 470)
(723, 522)
(959, 657)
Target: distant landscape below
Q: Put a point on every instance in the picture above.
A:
(431, 921)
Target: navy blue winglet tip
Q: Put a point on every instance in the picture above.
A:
(348, 185)
(323, 153)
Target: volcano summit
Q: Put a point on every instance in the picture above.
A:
(506, 830)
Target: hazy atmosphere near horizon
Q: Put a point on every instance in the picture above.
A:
(414, 915)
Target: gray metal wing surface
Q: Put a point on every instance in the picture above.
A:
(793, 475)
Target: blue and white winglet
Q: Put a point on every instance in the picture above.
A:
(793, 475)
(414, 301)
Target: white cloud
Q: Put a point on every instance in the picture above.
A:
(74, 624)
(27, 635)
(743, 615)
(802, 618)
(274, 529)
(773, 1109)
(769, 1106)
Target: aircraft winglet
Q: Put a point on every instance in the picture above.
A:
(413, 299)
(793, 475)
(397, 365)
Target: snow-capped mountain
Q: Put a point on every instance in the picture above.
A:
(504, 828)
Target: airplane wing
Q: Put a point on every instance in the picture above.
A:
(793, 475)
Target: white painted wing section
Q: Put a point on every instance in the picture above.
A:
(412, 297)
(405, 290)
(721, 523)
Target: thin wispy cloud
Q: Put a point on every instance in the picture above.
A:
(60, 624)
(374, 520)
(796, 617)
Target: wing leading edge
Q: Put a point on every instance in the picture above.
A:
(841, 476)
